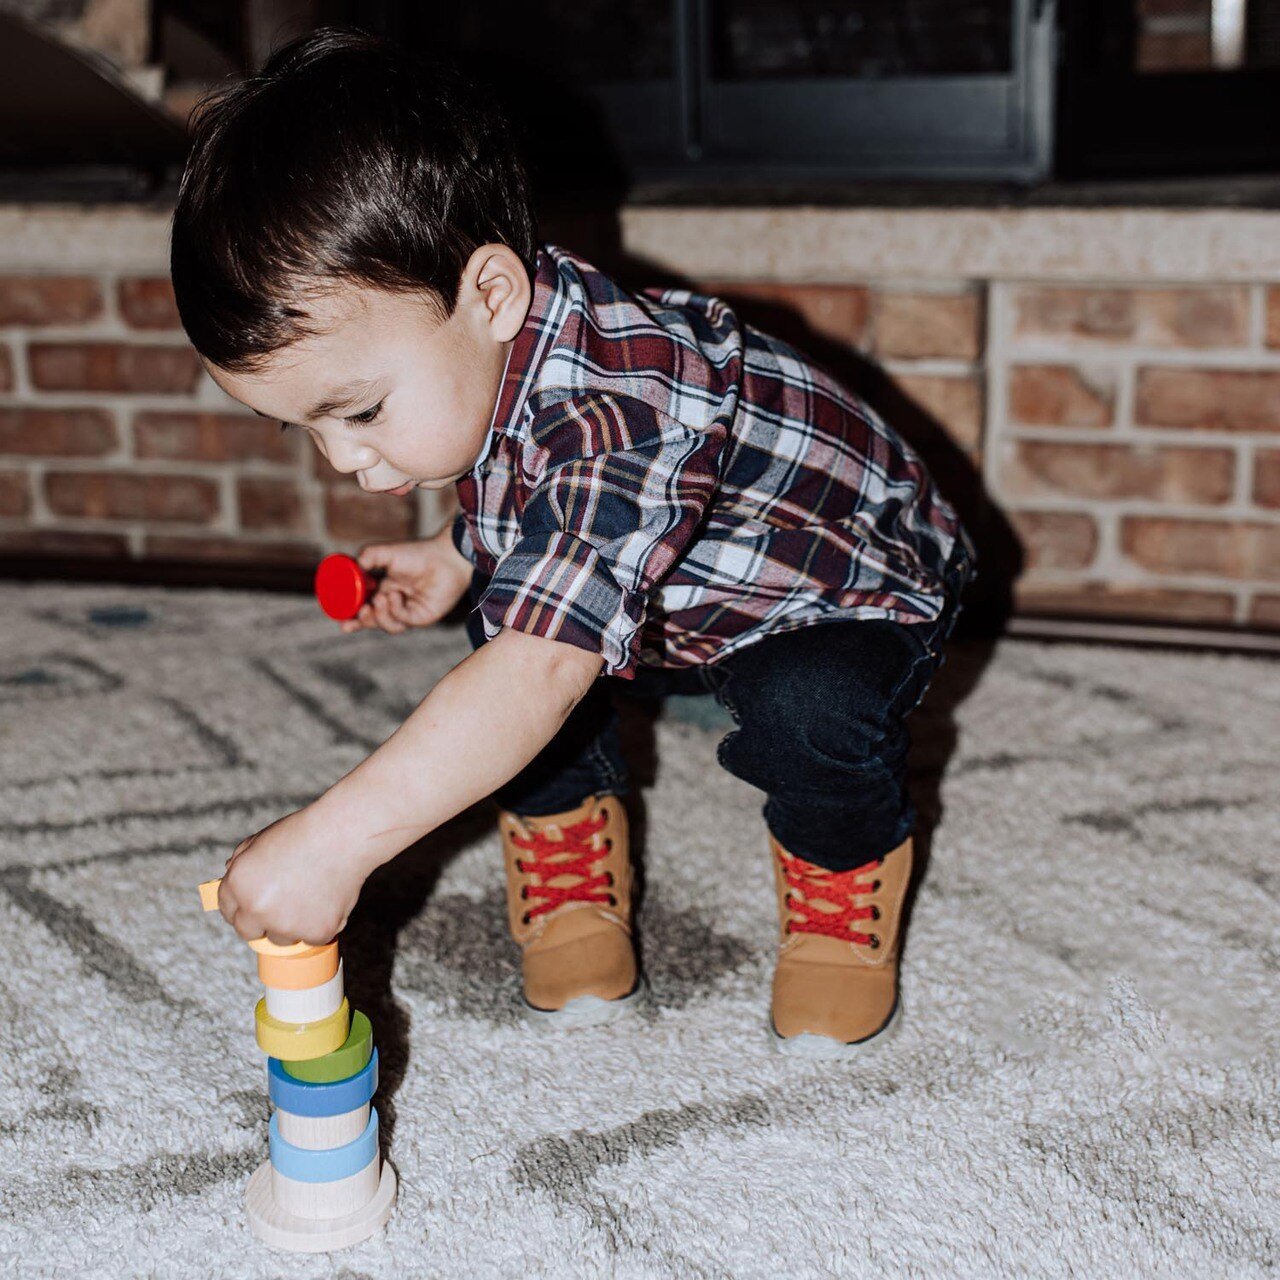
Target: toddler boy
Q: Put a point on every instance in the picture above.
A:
(650, 490)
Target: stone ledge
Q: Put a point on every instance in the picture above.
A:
(793, 245)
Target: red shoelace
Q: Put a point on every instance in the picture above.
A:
(838, 888)
(570, 855)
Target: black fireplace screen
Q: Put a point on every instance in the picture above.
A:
(750, 90)
(758, 38)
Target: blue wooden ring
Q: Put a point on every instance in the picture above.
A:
(327, 1165)
(302, 1098)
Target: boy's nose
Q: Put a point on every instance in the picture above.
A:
(348, 456)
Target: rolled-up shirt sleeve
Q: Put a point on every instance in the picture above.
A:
(621, 490)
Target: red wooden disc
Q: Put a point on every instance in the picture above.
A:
(342, 586)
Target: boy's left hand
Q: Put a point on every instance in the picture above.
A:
(293, 882)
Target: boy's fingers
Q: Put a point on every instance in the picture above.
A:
(386, 620)
(247, 933)
(399, 607)
(361, 622)
(377, 555)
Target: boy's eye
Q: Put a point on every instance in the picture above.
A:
(367, 416)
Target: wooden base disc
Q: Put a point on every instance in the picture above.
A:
(280, 1230)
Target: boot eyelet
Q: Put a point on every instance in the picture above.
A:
(608, 843)
(519, 866)
(524, 919)
(613, 901)
(875, 912)
(524, 892)
(610, 882)
(874, 942)
(875, 886)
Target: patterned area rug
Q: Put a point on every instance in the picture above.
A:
(1085, 1082)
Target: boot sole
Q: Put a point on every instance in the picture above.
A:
(811, 1045)
(583, 1011)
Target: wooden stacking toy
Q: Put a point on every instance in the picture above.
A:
(342, 586)
(324, 1185)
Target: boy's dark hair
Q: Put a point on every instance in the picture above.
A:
(345, 158)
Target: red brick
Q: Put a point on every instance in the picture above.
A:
(44, 300)
(1231, 550)
(15, 493)
(1266, 478)
(230, 550)
(6, 369)
(1061, 396)
(1174, 51)
(1036, 468)
(61, 544)
(85, 433)
(956, 401)
(112, 495)
(113, 366)
(1265, 612)
(1273, 316)
(146, 302)
(835, 311)
(1056, 539)
(270, 505)
(1109, 600)
(211, 437)
(1209, 399)
(916, 325)
(351, 515)
(321, 467)
(1175, 318)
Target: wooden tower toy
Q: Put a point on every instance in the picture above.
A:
(324, 1185)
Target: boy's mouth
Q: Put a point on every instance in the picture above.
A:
(400, 490)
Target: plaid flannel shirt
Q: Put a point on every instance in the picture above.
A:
(663, 485)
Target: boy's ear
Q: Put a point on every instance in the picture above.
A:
(502, 288)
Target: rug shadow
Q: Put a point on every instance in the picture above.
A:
(392, 896)
(935, 737)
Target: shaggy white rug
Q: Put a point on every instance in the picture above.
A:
(1085, 1082)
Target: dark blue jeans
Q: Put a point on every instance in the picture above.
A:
(820, 715)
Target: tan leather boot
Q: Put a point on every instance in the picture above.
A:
(836, 983)
(569, 907)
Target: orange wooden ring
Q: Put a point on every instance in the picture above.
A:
(297, 973)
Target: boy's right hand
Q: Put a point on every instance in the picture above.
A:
(422, 581)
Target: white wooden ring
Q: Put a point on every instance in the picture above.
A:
(334, 1199)
(310, 1004)
(280, 1230)
(319, 1133)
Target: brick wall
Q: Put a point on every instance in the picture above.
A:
(115, 443)
(1126, 435)
(1133, 437)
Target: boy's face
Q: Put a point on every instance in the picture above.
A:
(387, 390)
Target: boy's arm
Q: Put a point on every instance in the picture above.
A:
(474, 731)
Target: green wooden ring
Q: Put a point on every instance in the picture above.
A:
(351, 1057)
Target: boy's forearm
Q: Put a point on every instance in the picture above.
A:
(475, 730)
